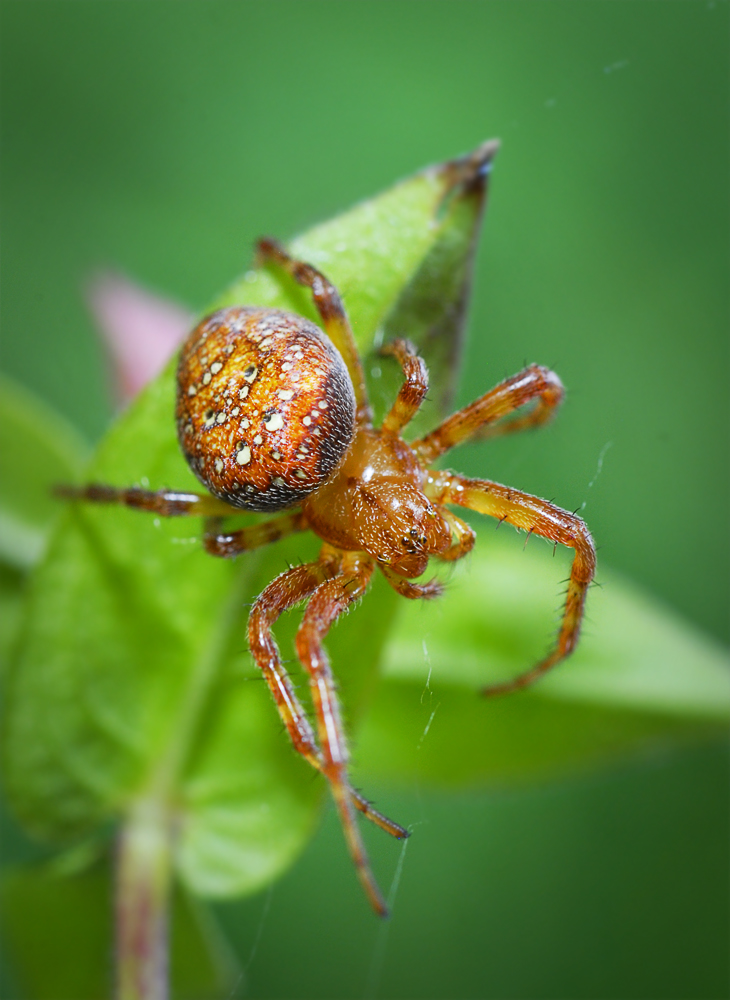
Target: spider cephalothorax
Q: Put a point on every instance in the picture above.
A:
(273, 415)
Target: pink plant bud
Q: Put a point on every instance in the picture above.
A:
(141, 329)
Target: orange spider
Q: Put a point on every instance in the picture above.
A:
(272, 415)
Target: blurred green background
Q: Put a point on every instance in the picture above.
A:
(163, 138)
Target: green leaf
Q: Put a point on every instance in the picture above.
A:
(133, 679)
(640, 677)
(11, 598)
(37, 449)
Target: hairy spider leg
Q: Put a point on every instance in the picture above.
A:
(546, 403)
(413, 391)
(332, 311)
(463, 534)
(543, 518)
(284, 592)
(232, 543)
(166, 503)
(328, 602)
(533, 384)
(414, 591)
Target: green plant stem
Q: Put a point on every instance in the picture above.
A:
(143, 884)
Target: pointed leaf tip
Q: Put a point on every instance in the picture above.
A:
(470, 172)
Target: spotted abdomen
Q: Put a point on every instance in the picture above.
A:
(265, 406)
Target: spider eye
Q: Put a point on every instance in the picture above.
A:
(408, 544)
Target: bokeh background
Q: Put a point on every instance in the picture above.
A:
(162, 138)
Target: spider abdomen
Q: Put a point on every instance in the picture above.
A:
(265, 407)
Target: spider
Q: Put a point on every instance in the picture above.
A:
(273, 415)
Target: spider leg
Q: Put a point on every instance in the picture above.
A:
(166, 503)
(541, 518)
(332, 311)
(283, 593)
(414, 591)
(464, 537)
(280, 595)
(328, 602)
(413, 391)
(369, 812)
(534, 384)
(229, 544)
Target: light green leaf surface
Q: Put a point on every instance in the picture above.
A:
(133, 679)
(639, 678)
(37, 449)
